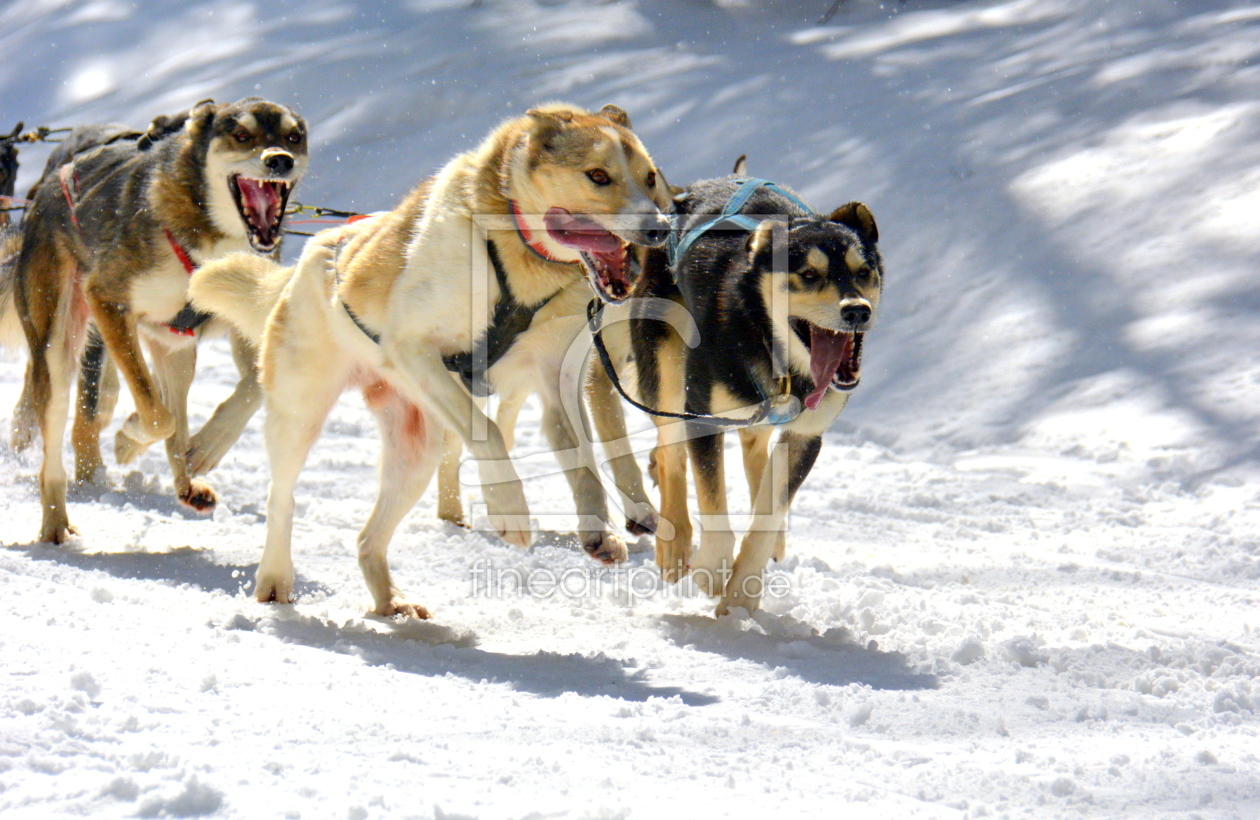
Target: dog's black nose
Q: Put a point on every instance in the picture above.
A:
(655, 236)
(654, 230)
(279, 162)
(855, 314)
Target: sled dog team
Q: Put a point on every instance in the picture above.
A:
(728, 304)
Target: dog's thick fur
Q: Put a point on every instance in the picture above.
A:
(753, 331)
(410, 278)
(98, 244)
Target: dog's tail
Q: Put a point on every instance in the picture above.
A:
(242, 288)
(11, 335)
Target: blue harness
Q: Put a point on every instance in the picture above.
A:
(680, 244)
(774, 410)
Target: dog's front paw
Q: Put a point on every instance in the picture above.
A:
(673, 557)
(404, 609)
(451, 510)
(780, 547)
(91, 473)
(22, 433)
(56, 529)
(508, 512)
(741, 591)
(513, 529)
(605, 547)
(198, 496)
(641, 520)
(128, 448)
(711, 574)
(273, 586)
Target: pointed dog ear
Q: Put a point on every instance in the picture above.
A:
(760, 240)
(200, 116)
(674, 190)
(548, 123)
(615, 114)
(741, 166)
(857, 216)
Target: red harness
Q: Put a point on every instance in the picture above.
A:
(69, 177)
(187, 320)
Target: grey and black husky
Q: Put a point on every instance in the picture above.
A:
(779, 299)
(117, 223)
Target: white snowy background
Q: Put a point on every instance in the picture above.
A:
(1024, 576)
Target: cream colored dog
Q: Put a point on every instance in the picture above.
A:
(396, 304)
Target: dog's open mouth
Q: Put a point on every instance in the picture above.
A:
(261, 203)
(609, 264)
(835, 360)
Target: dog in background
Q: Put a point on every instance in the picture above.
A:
(393, 305)
(8, 176)
(118, 222)
(783, 342)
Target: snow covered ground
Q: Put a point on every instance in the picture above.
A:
(1023, 580)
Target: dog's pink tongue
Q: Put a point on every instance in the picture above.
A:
(827, 351)
(263, 200)
(579, 232)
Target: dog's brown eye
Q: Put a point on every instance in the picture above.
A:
(651, 179)
(242, 136)
(599, 176)
(809, 277)
(295, 138)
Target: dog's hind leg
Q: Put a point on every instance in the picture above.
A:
(224, 427)
(52, 391)
(25, 414)
(417, 369)
(577, 458)
(756, 444)
(98, 394)
(790, 461)
(173, 369)
(54, 318)
(450, 506)
(610, 426)
(411, 446)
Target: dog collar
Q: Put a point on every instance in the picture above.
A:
(180, 253)
(526, 236)
(189, 319)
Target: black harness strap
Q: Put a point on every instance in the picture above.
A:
(510, 320)
(188, 320)
(762, 416)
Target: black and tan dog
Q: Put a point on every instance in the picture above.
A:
(778, 298)
(118, 222)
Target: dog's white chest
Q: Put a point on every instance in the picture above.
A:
(161, 293)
